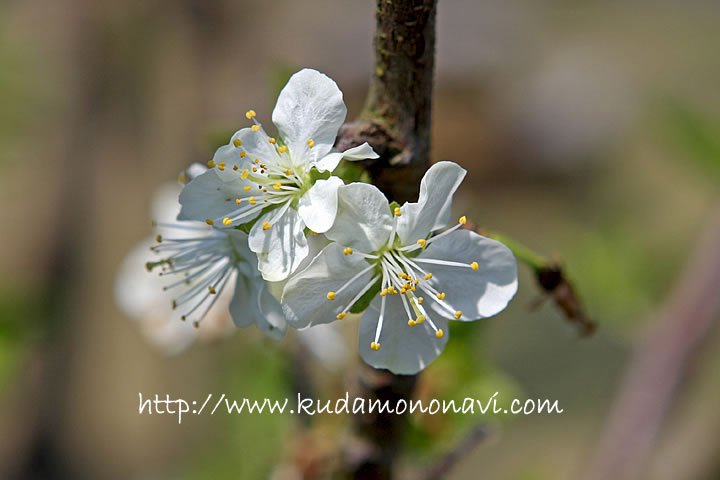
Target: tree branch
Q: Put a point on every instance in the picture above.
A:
(396, 122)
(660, 363)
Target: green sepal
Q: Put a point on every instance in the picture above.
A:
(364, 302)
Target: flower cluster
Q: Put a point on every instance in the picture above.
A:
(270, 215)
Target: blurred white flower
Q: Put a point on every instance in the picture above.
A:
(392, 257)
(141, 296)
(281, 180)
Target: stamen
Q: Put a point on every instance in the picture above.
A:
(272, 140)
(458, 314)
(209, 221)
(311, 143)
(266, 226)
(463, 220)
(331, 295)
(439, 333)
(226, 221)
(211, 164)
(255, 128)
(348, 251)
(341, 315)
(398, 213)
(282, 149)
(422, 242)
(475, 266)
(250, 114)
(237, 142)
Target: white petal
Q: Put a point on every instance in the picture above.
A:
(404, 350)
(327, 345)
(252, 303)
(240, 312)
(310, 107)
(331, 160)
(480, 293)
(256, 146)
(280, 249)
(318, 206)
(164, 207)
(432, 210)
(305, 299)
(211, 195)
(270, 317)
(363, 221)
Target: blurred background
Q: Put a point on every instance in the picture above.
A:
(590, 130)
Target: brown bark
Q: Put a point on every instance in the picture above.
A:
(396, 122)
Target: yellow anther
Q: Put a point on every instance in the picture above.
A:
(428, 276)
(257, 160)
(222, 164)
(383, 292)
(243, 154)
(282, 149)
(255, 128)
(227, 221)
(211, 290)
(397, 212)
(247, 188)
(250, 114)
(331, 296)
(441, 296)
(209, 222)
(458, 314)
(266, 226)
(374, 346)
(340, 316)
(420, 319)
(174, 304)
(237, 142)
(416, 281)
(265, 200)
(158, 238)
(422, 242)
(272, 140)
(348, 251)
(277, 185)
(475, 266)
(440, 333)
(412, 322)
(311, 143)
(238, 201)
(288, 172)
(244, 174)
(254, 169)
(420, 300)
(235, 167)
(252, 201)
(463, 221)
(221, 168)
(211, 164)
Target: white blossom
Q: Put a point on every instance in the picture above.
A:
(417, 278)
(283, 184)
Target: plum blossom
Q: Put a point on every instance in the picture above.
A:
(140, 294)
(416, 278)
(283, 184)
